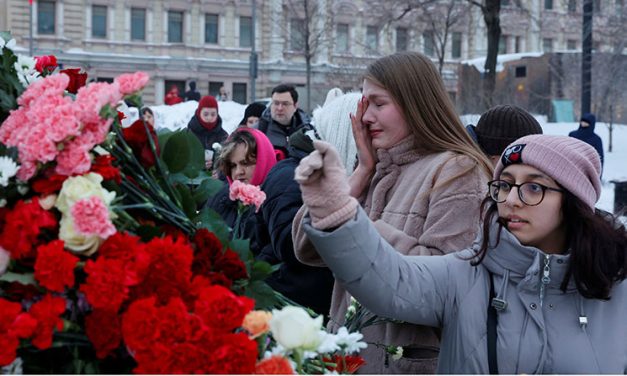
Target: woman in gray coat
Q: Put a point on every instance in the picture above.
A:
(541, 291)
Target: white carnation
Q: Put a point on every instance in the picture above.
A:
(8, 169)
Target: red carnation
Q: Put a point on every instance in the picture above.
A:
(24, 225)
(168, 274)
(137, 139)
(47, 312)
(231, 265)
(46, 185)
(345, 364)
(140, 324)
(77, 79)
(103, 165)
(8, 349)
(274, 365)
(106, 285)
(104, 331)
(222, 310)
(13, 325)
(45, 64)
(54, 267)
(233, 354)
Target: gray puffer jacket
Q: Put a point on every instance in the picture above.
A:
(540, 330)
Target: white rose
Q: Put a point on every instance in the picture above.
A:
(293, 328)
(5, 258)
(81, 187)
(75, 242)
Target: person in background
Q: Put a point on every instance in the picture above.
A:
(586, 134)
(306, 285)
(148, 116)
(172, 97)
(334, 125)
(501, 125)
(542, 289)
(282, 118)
(192, 94)
(247, 156)
(223, 96)
(252, 114)
(418, 169)
(206, 124)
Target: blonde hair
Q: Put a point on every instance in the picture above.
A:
(417, 88)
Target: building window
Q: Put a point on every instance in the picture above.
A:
(548, 4)
(341, 40)
(45, 17)
(211, 28)
(572, 5)
(401, 39)
(175, 28)
(372, 38)
(456, 51)
(503, 44)
(429, 43)
(517, 44)
(571, 44)
(99, 21)
(245, 31)
(108, 80)
(521, 71)
(297, 37)
(239, 92)
(138, 24)
(596, 4)
(214, 88)
(547, 45)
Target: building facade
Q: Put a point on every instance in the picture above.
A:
(211, 41)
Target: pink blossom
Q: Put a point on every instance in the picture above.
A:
(91, 217)
(53, 85)
(92, 98)
(132, 82)
(248, 194)
(74, 158)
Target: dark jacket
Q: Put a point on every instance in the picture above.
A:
(207, 137)
(279, 133)
(306, 285)
(227, 209)
(587, 135)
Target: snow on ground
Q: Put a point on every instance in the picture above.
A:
(177, 116)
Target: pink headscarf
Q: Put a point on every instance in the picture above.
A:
(266, 159)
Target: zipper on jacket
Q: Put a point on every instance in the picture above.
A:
(546, 278)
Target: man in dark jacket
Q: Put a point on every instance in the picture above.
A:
(306, 285)
(191, 94)
(282, 118)
(586, 133)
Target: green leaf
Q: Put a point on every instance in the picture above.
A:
(146, 233)
(209, 187)
(189, 205)
(241, 247)
(212, 221)
(25, 278)
(264, 295)
(183, 152)
(261, 270)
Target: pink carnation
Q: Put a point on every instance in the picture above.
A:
(53, 85)
(74, 158)
(91, 217)
(132, 82)
(248, 194)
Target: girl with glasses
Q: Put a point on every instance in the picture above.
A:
(542, 289)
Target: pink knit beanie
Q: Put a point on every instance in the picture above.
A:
(572, 163)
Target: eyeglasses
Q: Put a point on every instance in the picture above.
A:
(284, 104)
(530, 193)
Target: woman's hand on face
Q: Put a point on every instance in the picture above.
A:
(365, 152)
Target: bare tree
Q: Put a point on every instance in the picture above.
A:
(309, 27)
(441, 18)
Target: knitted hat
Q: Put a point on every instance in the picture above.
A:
(334, 126)
(502, 125)
(572, 163)
(254, 109)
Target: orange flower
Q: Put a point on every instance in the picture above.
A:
(274, 365)
(257, 323)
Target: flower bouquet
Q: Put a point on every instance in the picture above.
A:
(108, 263)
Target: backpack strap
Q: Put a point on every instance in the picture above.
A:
(491, 323)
